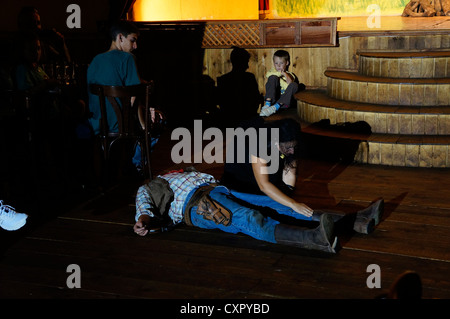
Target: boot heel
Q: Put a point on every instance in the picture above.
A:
(364, 225)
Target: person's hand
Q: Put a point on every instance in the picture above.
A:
(302, 209)
(152, 114)
(140, 227)
(288, 77)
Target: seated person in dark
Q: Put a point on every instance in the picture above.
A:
(30, 78)
(47, 93)
(54, 48)
(238, 94)
(115, 67)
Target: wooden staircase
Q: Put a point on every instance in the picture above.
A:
(403, 96)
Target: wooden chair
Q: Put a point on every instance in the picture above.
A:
(128, 115)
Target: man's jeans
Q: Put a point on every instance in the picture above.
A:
(266, 201)
(244, 219)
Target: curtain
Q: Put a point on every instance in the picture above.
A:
(263, 5)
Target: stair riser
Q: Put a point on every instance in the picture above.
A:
(385, 123)
(407, 155)
(403, 97)
(389, 93)
(405, 67)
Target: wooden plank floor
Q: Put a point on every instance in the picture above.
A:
(193, 263)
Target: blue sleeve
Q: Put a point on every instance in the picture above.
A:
(132, 77)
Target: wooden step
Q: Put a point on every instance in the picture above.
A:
(351, 86)
(393, 148)
(414, 64)
(316, 105)
(384, 149)
(406, 107)
(406, 54)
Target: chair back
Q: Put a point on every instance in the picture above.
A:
(127, 113)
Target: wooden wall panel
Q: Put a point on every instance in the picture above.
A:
(309, 64)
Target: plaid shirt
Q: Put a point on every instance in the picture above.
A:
(181, 184)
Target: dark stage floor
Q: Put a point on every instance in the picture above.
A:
(95, 233)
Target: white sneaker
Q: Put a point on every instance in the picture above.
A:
(267, 110)
(10, 219)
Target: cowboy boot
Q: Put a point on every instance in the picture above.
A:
(320, 238)
(343, 223)
(363, 221)
(368, 218)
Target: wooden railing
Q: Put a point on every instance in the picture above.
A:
(258, 33)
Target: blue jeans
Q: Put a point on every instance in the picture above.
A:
(266, 201)
(137, 152)
(244, 219)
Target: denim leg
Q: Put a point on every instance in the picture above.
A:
(137, 157)
(244, 219)
(266, 201)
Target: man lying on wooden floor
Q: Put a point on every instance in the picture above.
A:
(197, 199)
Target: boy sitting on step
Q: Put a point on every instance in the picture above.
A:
(281, 85)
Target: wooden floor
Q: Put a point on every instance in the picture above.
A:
(190, 263)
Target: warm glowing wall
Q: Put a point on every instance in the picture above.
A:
(335, 8)
(163, 10)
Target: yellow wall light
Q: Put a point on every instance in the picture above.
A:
(172, 10)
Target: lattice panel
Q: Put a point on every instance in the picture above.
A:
(231, 34)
